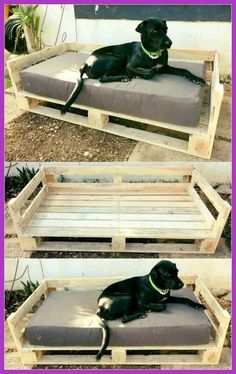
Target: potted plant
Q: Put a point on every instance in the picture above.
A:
(24, 21)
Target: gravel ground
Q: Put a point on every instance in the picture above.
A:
(32, 137)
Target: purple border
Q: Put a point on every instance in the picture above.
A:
(91, 2)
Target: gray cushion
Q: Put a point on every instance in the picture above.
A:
(164, 98)
(67, 318)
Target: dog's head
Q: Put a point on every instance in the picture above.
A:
(165, 276)
(154, 34)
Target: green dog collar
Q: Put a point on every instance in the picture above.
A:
(153, 55)
(162, 292)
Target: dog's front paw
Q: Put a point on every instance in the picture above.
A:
(199, 306)
(63, 111)
(126, 79)
(198, 80)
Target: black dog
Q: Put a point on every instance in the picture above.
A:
(134, 297)
(125, 61)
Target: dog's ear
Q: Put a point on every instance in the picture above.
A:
(141, 27)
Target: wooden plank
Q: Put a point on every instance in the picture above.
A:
(28, 190)
(221, 314)
(114, 203)
(33, 207)
(21, 62)
(133, 196)
(120, 216)
(26, 307)
(110, 232)
(202, 207)
(125, 188)
(192, 54)
(122, 209)
(131, 359)
(209, 191)
(117, 224)
(29, 347)
(107, 247)
(120, 168)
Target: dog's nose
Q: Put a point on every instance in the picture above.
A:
(181, 284)
(168, 43)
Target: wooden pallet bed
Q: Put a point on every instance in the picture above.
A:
(196, 141)
(119, 209)
(191, 354)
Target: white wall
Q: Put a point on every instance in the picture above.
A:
(215, 272)
(214, 172)
(192, 35)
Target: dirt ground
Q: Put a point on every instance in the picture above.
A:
(32, 137)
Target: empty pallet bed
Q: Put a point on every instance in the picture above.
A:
(179, 335)
(130, 205)
(177, 114)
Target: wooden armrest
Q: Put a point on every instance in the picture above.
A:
(17, 202)
(26, 307)
(222, 206)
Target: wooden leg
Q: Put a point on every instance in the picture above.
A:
(118, 355)
(97, 119)
(29, 244)
(211, 357)
(25, 103)
(200, 146)
(207, 245)
(30, 357)
(118, 243)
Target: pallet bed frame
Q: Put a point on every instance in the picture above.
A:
(40, 355)
(121, 210)
(200, 138)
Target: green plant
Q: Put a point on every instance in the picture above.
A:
(28, 288)
(14, 299)
(8, 83)
(14, 184)
(62, 179)
(21, 19)
(25, 175)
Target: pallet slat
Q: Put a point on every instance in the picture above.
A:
(119, 216)
(110, 232)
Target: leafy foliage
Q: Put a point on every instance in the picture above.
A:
(13, 299)
(14, 184)
(23, 17)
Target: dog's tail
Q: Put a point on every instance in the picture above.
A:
(105, 338)
(76, 91)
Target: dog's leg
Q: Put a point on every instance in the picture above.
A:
(141, 72)
(115, 78)
(133, 316)
(166, 69)
(184, 300)
(154, 307)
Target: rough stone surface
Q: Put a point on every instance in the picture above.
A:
(228, 297)
(224, 189)
(11, 110)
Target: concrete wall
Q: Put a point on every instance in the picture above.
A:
(214, 172)
(200, 35)
(101, 268)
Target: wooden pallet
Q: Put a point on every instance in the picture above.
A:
(200, 139)
(39, 355)
(119, 210)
